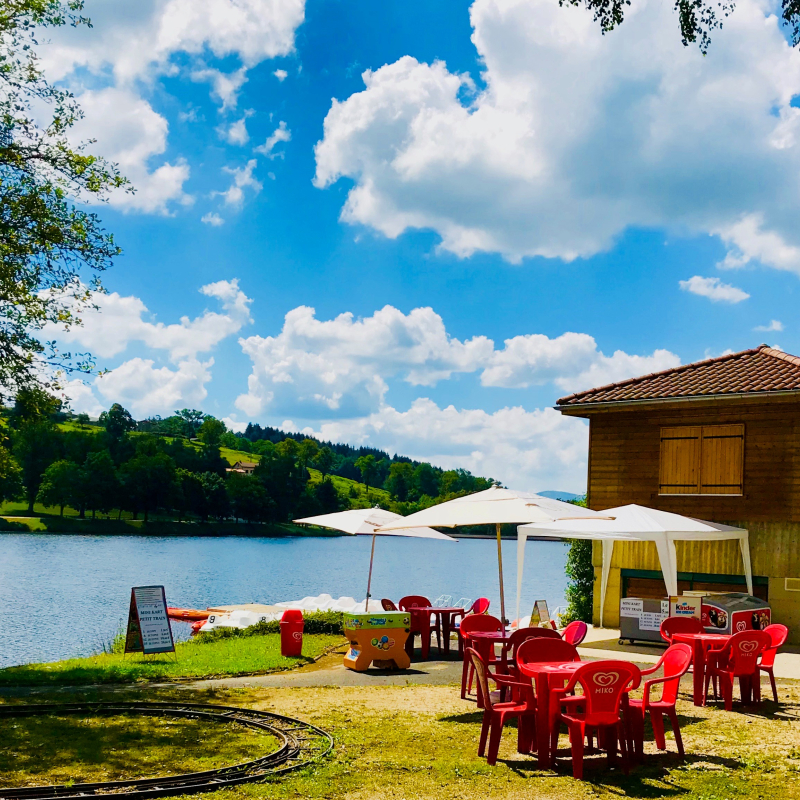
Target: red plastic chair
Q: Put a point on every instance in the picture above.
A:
(388, 605)
(675, 663)
(738, 659)
(604, 684)
(474, 622)
(508, 657)
(496, 714)
(545, 648)
(420, 624)
(575, 632)
(672, 625)
(778, 634)
(480, 606)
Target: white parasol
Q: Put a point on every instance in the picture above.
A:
(364, 522)
(494, 506)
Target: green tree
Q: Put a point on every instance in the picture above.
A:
(83, 420)
(324, 461)
(35, 446)
(11, 487)
(366, 466)
(307, 451)
(400, 480)
(426, 480)
(117, 421)
(56, 488)
(249, 499)
(327, 497)
(33, 404)
(149, 482)
(217, 504)
(210, 432)
(47, 242)
(102, 483)
(580, 577)
(192, 419)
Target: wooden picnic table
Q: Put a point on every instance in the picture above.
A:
(701, 644)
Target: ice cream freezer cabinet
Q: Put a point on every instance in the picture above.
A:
(378, 638)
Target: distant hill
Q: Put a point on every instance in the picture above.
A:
(553, 494)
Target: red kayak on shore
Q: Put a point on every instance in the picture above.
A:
(187, 614)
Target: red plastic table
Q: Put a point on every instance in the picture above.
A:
(701, 643)
(444, 621)
(548, 675)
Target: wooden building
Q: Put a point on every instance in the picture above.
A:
(716, 440)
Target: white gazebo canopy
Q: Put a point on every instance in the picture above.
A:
(637, 524)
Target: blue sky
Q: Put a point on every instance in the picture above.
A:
(597, 207)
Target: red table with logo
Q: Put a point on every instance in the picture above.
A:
(548, 675)
(444, 621)
(701, 644)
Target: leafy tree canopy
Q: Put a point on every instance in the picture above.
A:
(698, 18)
(51, 251)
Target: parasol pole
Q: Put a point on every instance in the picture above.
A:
(369, 580)
(500, 566)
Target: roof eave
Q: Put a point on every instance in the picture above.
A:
(611, 405)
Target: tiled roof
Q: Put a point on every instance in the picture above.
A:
(763, 369)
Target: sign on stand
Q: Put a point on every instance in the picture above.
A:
(148, 630)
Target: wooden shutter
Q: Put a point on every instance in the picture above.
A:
(722, 460)
(680, 460)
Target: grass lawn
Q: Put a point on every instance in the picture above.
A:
(420, 743)
(226, 657)
(57, 749)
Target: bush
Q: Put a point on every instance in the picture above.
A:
(580, 587)
(330, 622)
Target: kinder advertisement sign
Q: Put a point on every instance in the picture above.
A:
(685, 606)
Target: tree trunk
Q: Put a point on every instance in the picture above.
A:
(62, 509)
(30, 505)
(93, 514)
(82, 514)
(119, 515)
(146, 513)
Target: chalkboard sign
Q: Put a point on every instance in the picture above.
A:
(148, 630)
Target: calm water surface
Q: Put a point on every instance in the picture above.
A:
(64, 595)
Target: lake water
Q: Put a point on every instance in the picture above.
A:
(64, 595)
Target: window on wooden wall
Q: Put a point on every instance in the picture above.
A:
(702, 459)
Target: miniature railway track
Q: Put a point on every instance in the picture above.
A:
(299, 744)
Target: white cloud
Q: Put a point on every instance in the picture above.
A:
(130, 133)
(225, 86)
(280, 134)
(748, 241)
(236, 133)
(339, 368)
(774, 325)
(525, 450)
(145, 389)
(82, 399)
(578, 136)
(281, 74)
(119, 321)
(213, 219)
(571, 361)
(136, 40)
(130, 46)
(713, 289)
(232, 424)
(243, 178)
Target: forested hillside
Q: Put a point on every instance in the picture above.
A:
(181, 468)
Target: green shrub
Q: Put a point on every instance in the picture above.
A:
(326, 622)
(580, 574)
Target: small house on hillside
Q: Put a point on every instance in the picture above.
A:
(244, 467)
(717, 440)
